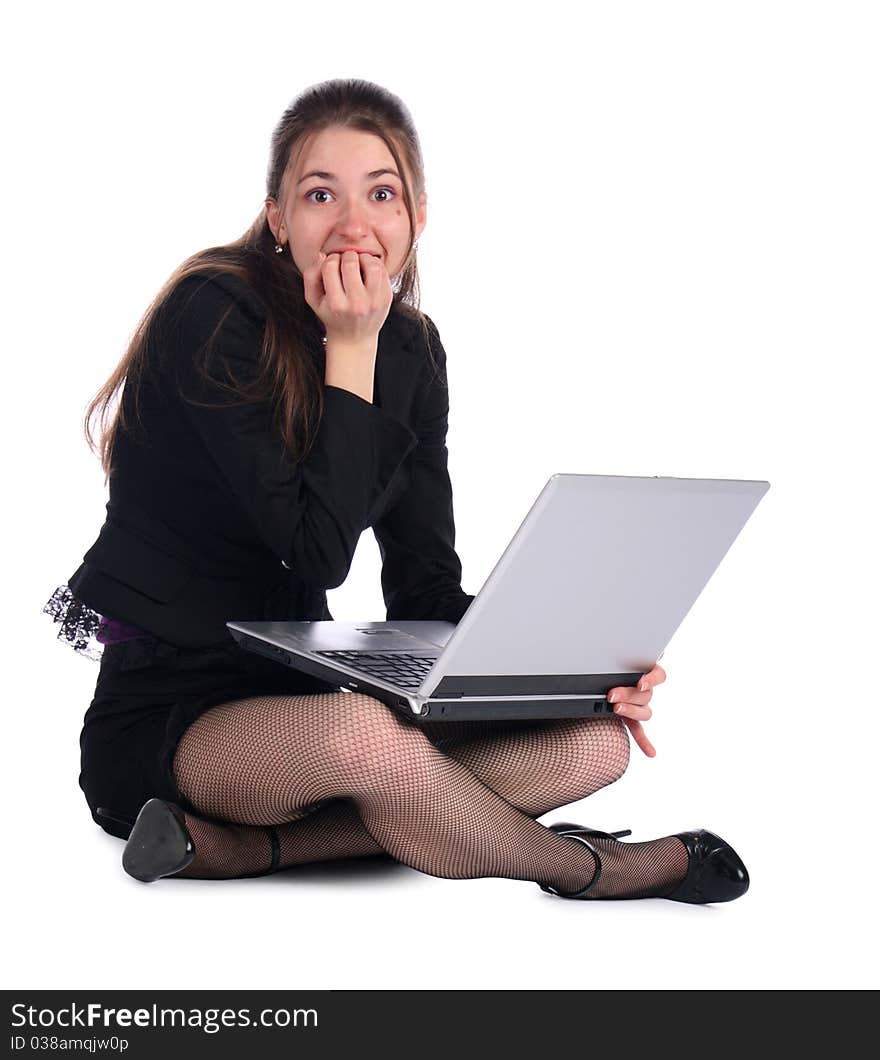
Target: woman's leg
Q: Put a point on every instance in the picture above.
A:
(262, 760)
(535, 765)
(538, 765)
(225, 850)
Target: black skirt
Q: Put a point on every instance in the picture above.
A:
(147, 694)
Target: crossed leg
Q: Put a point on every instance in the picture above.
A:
(536, 766)
(465, 811)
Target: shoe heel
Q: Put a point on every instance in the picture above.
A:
(126, 822)
(159, 844)
(602, 835)
(567, 827)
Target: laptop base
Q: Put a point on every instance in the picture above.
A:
(521, 710)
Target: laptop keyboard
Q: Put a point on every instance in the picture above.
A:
(399, 668)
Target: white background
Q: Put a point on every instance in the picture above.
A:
(652, 249)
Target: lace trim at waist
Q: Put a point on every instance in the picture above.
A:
(86, 631)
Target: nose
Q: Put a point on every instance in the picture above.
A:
(352, 224)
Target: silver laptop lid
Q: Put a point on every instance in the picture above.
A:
(598, 577)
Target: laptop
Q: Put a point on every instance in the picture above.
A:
(587, 595)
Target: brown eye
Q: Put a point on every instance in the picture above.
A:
(323, 191)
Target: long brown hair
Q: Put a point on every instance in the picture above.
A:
(290, 377)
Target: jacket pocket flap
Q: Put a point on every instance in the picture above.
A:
(135, 562)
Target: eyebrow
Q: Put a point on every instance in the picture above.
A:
(321, 175)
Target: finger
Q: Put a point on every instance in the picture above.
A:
(377, 283)
(352, 280)
(333, 281)
(630, 695)
(655, 677)
(373, 271)
(633, 710)
(638, 734)
(312, 280)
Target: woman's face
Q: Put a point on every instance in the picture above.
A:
(346, 207)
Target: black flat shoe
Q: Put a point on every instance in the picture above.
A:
(159, 844)
(715, 871)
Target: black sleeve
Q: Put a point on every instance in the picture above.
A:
(421, 572)
(311, 512)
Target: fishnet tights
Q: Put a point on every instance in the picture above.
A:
(339, 775)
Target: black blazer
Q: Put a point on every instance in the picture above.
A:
(210, 520)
